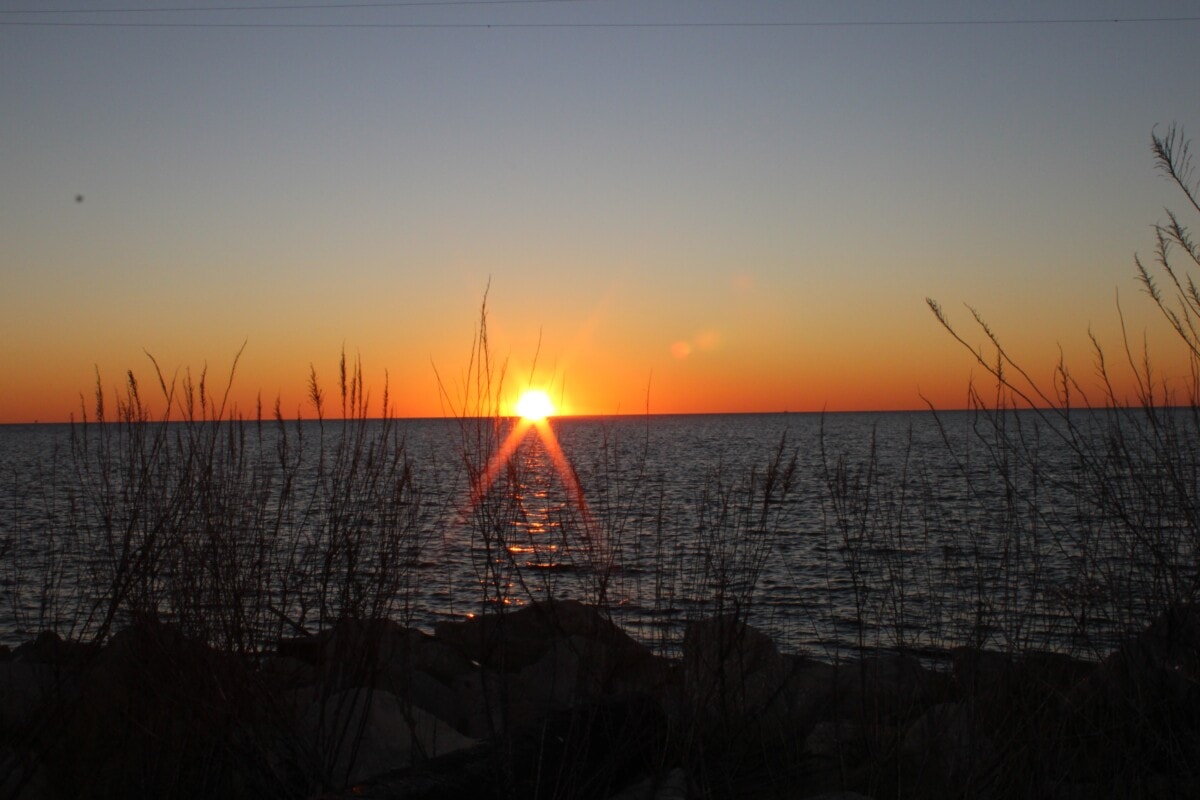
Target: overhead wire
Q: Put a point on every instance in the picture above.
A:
(534, 25)
(6, 18)
(293, 6)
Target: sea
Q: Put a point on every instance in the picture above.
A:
(833, 532)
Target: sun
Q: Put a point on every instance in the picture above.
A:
(534, 405)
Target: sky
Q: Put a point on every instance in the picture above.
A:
(671, 205)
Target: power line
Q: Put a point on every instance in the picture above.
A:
(383, 4)
(291, 6)
(480, 25)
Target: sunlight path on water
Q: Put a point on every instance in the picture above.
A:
(561, 465)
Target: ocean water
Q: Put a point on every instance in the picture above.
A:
(833, 532)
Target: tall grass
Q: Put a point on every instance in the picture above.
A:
(1125, 514)
(1082, 522)
(237, 530)
(182, 517)
(1063, 520)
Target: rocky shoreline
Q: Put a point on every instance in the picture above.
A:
(554, 700)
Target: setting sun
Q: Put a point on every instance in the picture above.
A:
(535, 405)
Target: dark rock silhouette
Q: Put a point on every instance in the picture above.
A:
(554, 700)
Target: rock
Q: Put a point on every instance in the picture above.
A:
(353, 651)
(472, 773)
(360, 733)
(598, 745)
(711, 645)
(732, 669)
(430, 655)
(287, 672)
(512, 640)
(572, 670)
(1047, 673)
(23, 776)
(1157, 670)
(672, 785)
(306, 649)
(590, 751)
(836, 739)
(25, 687)
(163, 713)
(809, 687)
(949, 739)
(484, 703)
(423, 690)
(886, 689)
(543, 658)
(1145, 698)
(50, 648)
(374, 652)
(977, 671)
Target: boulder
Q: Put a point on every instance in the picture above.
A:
(484, 703)
(949, 740)
(732, 669)
(590, 750)
(360, 733)
(23, 776)
(24, 689)
(287, 672)
(162, 712)
(977, 671)
(1046, 673)
(477, 772)
(511, 640)
(437, 658)
(887, 688)
(572, 670)
(423, 690)
(671, 785)
(1155, 671)
(809, 687)
(1138, 711)
(836, 739)
(50, 648)
(542, 658)
(371, 652)
(594, 750)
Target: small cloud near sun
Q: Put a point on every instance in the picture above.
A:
(703, 341)
(707, 339)
(743, 281)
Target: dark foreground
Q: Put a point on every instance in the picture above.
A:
(554, 701)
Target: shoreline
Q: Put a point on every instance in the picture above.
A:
(370, 708)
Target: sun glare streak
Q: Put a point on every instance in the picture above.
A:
(498, 461)
(562, 466)
(565, 472)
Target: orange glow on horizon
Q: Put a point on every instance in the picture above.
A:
(606, 370)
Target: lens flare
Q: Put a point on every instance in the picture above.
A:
(534, 407)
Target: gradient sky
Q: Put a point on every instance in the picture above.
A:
(691, 216)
